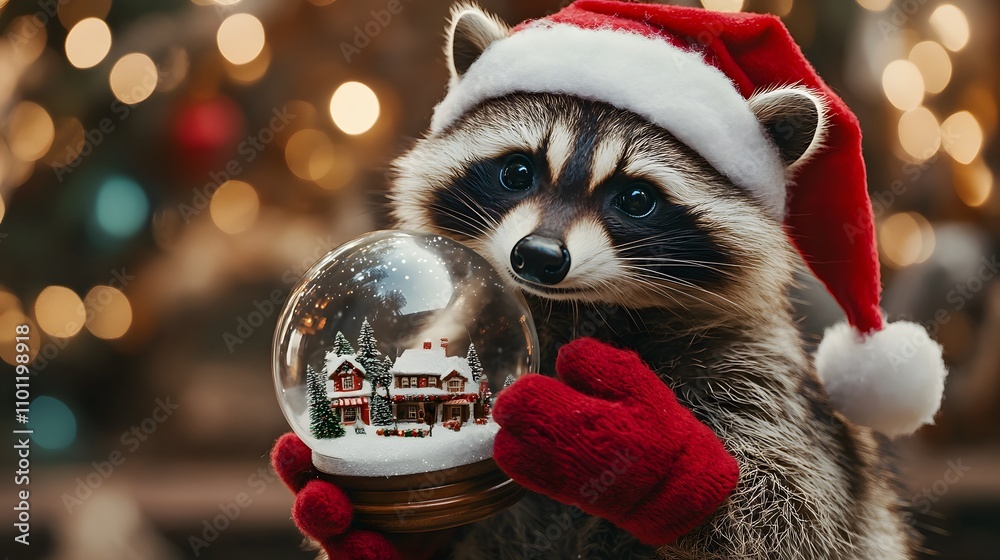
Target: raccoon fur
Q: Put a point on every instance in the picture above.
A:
(614, 229)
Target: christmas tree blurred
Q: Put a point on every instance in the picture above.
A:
(169, 168)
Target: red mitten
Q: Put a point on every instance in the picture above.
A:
(322, 511)
(611, 438)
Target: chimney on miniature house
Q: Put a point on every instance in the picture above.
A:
(427, 345)
(444, 345)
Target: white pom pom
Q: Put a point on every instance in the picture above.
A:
(891, 380)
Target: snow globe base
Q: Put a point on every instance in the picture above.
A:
(426, 502)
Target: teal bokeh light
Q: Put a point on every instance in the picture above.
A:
(54, 424)
(121, 208)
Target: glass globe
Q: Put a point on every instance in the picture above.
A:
(390, 349)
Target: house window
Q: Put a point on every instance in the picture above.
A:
(432, 381)
(413, 382)
(411, 412)
(454, 386)
(406, 382)
(456, 411)
(351, 414)
(348, 382)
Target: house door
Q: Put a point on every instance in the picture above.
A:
(350, 414)
(456, 413)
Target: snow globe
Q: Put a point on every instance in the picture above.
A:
(387, 357)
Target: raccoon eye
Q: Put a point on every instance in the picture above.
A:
(637, 201)
(517, 174)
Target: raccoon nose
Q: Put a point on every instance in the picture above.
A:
(539, 259)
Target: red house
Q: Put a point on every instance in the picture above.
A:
(348, 390)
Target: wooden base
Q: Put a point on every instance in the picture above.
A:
(433, 501)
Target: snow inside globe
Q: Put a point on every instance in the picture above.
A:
(390, 350)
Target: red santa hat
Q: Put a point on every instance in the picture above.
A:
(692, 72)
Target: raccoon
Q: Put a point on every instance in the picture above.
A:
(614, 229)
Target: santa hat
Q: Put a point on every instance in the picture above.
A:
(697, 74)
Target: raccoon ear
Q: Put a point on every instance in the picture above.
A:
(470, 31)
(795, 120)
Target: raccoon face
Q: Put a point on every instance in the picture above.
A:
(572, 199)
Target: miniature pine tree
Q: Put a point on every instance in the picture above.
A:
(341, 346)
(508, 380)
(368, 354)
(386, 375)
(475, 366)
(381, 411)
(324, 422)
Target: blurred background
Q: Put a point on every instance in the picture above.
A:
(169, 168)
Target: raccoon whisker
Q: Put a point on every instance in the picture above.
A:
(476, 227)
(682, 261)
(474, 205)
(655, 274)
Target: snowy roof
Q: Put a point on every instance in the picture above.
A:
(429, 362)
(414, 391)
(364, 391)
(333, 361)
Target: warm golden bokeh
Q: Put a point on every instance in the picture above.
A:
(919, 133)
(30, 131)
(309, 154)
(906, 238)
(240, 38)
(934, 64)
(133, 78)
(9, 320)
(109, 313)
(723, 5)
(59, 311)
(962, 136)
(903, 85)
(234, 206)
(354, 108)
(951, 25)
(88, 43)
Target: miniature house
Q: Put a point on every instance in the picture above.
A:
(348, 390)
(431, 386)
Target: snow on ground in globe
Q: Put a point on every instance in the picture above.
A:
(370, 454)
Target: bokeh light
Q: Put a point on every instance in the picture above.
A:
(974, 183)
(121, 207)
(30, 131)
(919, 133)
(309, 154)
(3, 210)
(906, 238)
(875, 5)
(133, 78)
(88, 43)
(354, 108)
(951, 25)
(240, 38)
(234, 206)
(52, 422)
(109, 313)
(59, 311)
(723, 5)
(70, 139)
(962, 136)
(903, 85)
(251, 71)
(934, 65)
